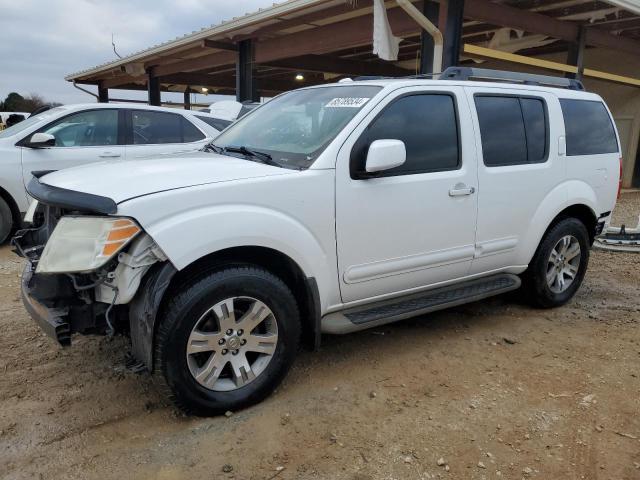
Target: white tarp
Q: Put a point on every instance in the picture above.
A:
(385, 44)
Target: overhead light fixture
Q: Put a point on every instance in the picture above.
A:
(299, 77)
(205, 89)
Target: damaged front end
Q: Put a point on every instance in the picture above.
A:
(84, 268)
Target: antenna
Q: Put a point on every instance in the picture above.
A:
(113, 44)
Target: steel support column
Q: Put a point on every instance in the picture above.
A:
(246, 88)
(575, 56)
(452, 33)
(431, 10)
(153, 88)
(187, 98)
(103, 93)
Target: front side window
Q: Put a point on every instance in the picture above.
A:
(85, 129)
(152, 128)
(513, 129)
(428, 126)
(588, 127)
(296, 127)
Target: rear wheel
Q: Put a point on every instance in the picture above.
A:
(559, 265)
(227, 340)
(6, 220)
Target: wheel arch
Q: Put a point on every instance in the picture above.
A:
(146, 310)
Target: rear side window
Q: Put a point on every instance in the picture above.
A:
(428, 126)
(152, 128)
(513, 129)
(217, 123)
(588, 128)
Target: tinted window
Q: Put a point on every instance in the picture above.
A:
(189, 132)
(535, 128)
(85, 129)
(501, 130)
(216, 123)
(151, 127)
(588, 128)
(513, 130)
(428, 126)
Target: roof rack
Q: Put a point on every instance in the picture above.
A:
(469, 73)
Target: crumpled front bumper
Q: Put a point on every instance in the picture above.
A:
(53, 320)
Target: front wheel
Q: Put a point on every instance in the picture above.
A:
(559, 265)
(227, 340)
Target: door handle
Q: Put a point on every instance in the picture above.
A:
(461, 189)
(109, 155)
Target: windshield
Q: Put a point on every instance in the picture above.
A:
(296, 127)
(23, 125)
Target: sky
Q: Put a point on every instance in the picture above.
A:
(42, 41)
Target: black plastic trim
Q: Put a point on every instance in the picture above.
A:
(314, 310)
(143, 311)
(70, 199)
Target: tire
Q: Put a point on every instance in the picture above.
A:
(542, 281)
(6, 220)
(195, 349)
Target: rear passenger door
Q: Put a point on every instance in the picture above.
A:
(518, 167)
(151, 132)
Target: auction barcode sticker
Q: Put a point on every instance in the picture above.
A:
(349, 102)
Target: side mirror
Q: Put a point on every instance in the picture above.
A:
(41, 140)
(384, 155)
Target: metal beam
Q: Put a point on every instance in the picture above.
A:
(431, 10)
(575, 55)
(187, 98)
(245, 81)
(198, 63)
(226, 81)
(329, 64)
(482, 52)
(329, 38)
(499, 14)
(453, 33)
(103, 93)
(153, 88)
(219, 45)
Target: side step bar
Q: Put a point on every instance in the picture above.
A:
(380, 313)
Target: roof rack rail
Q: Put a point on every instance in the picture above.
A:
(469, 73)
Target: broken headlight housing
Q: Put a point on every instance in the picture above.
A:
(85, 243)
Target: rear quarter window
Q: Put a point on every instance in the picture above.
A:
(588, 126)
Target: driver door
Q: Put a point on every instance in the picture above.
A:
(82, 137)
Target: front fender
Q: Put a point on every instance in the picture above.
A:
(193, 234)
(563, 196)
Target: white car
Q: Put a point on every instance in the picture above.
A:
(72, 135)
(329, 209)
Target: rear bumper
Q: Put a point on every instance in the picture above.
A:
(54, 321)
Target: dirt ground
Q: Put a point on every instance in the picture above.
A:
(491, 390)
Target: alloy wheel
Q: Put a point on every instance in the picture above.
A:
(232, 343)
(563, 264)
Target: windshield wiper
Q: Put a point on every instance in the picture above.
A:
(261, 156)
(211, 147)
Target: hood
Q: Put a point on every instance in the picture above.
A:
(121, 181)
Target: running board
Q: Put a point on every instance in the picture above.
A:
(380, 313)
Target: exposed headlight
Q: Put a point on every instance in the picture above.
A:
(80, 244)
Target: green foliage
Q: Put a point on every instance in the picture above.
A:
(17, 103)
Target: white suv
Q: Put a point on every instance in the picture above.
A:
(328, 209)
(76, 134)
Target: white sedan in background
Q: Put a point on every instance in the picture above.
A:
(72, 135)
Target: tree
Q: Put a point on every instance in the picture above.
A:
(12, 103)
(17, 103)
